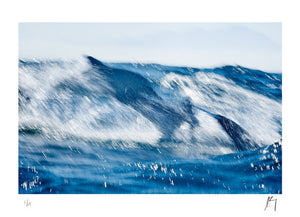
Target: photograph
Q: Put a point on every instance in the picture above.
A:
(150, 108)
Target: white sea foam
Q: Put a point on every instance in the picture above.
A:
(110, 120)
(207, 138)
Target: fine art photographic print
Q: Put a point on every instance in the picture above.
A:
(150, 108)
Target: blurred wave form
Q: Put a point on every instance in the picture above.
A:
(92, 127)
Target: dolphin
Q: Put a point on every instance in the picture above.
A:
(135, 91)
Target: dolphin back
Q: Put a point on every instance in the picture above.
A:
(136, 91)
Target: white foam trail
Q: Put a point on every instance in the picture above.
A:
(38, 83)
(88, 120)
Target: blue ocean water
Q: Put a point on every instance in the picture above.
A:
(88, 127)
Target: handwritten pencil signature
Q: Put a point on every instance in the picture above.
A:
(269, 200)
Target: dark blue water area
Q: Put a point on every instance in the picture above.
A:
(67, 167)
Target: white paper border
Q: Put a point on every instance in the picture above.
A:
(12, 12)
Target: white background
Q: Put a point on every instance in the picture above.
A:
(12, 12)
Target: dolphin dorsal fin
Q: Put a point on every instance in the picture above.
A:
(95, 62)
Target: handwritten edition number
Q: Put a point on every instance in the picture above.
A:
(27, 203)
